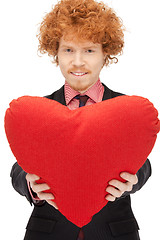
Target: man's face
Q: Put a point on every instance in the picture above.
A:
(80, 57)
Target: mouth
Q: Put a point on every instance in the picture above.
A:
(78, 74)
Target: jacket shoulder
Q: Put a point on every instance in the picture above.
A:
(58, 96)
(116, 94)
(56, 93)
(108, 93)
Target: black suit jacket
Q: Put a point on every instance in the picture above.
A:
(115, 221)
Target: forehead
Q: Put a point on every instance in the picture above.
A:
(71, 41)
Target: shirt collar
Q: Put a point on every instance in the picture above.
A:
(93, 92)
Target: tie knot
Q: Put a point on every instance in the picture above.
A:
(82, 99)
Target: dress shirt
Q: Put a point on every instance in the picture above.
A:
(95, 94)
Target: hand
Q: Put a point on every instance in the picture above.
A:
(39, 188)
(116, 188)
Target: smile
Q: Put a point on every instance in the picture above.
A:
(78, 74)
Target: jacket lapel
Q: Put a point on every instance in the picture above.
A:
(59, 96)
(107, 93)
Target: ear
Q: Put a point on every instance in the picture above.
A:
(105, 55)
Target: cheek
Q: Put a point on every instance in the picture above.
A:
(97, 62)
(62, 62)
(96, 68)
(63, 67)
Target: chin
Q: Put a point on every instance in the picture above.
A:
(80, 88)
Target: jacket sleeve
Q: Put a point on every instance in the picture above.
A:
(143, 174)
(19, 182)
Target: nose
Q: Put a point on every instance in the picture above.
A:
(78, 60)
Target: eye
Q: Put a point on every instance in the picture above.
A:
(90, 51)
(68, 50)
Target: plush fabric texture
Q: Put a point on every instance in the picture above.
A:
(78, 151)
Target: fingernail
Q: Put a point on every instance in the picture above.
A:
(122, 174)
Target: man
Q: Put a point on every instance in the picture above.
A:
(83, 36)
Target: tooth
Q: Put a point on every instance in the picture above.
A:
(79, 74)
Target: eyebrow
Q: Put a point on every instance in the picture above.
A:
(67, 46)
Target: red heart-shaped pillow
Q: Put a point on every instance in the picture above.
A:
(78, 151)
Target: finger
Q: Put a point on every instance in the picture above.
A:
(129, 177)
(32, 177)
(39, 187)
(118, 184)
(45, 196)
(110, 198)
(114, 192)
(52, 203)
(129, 186)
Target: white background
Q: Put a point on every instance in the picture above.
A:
(24, 73)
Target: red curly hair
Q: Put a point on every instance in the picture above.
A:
(85, 19)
